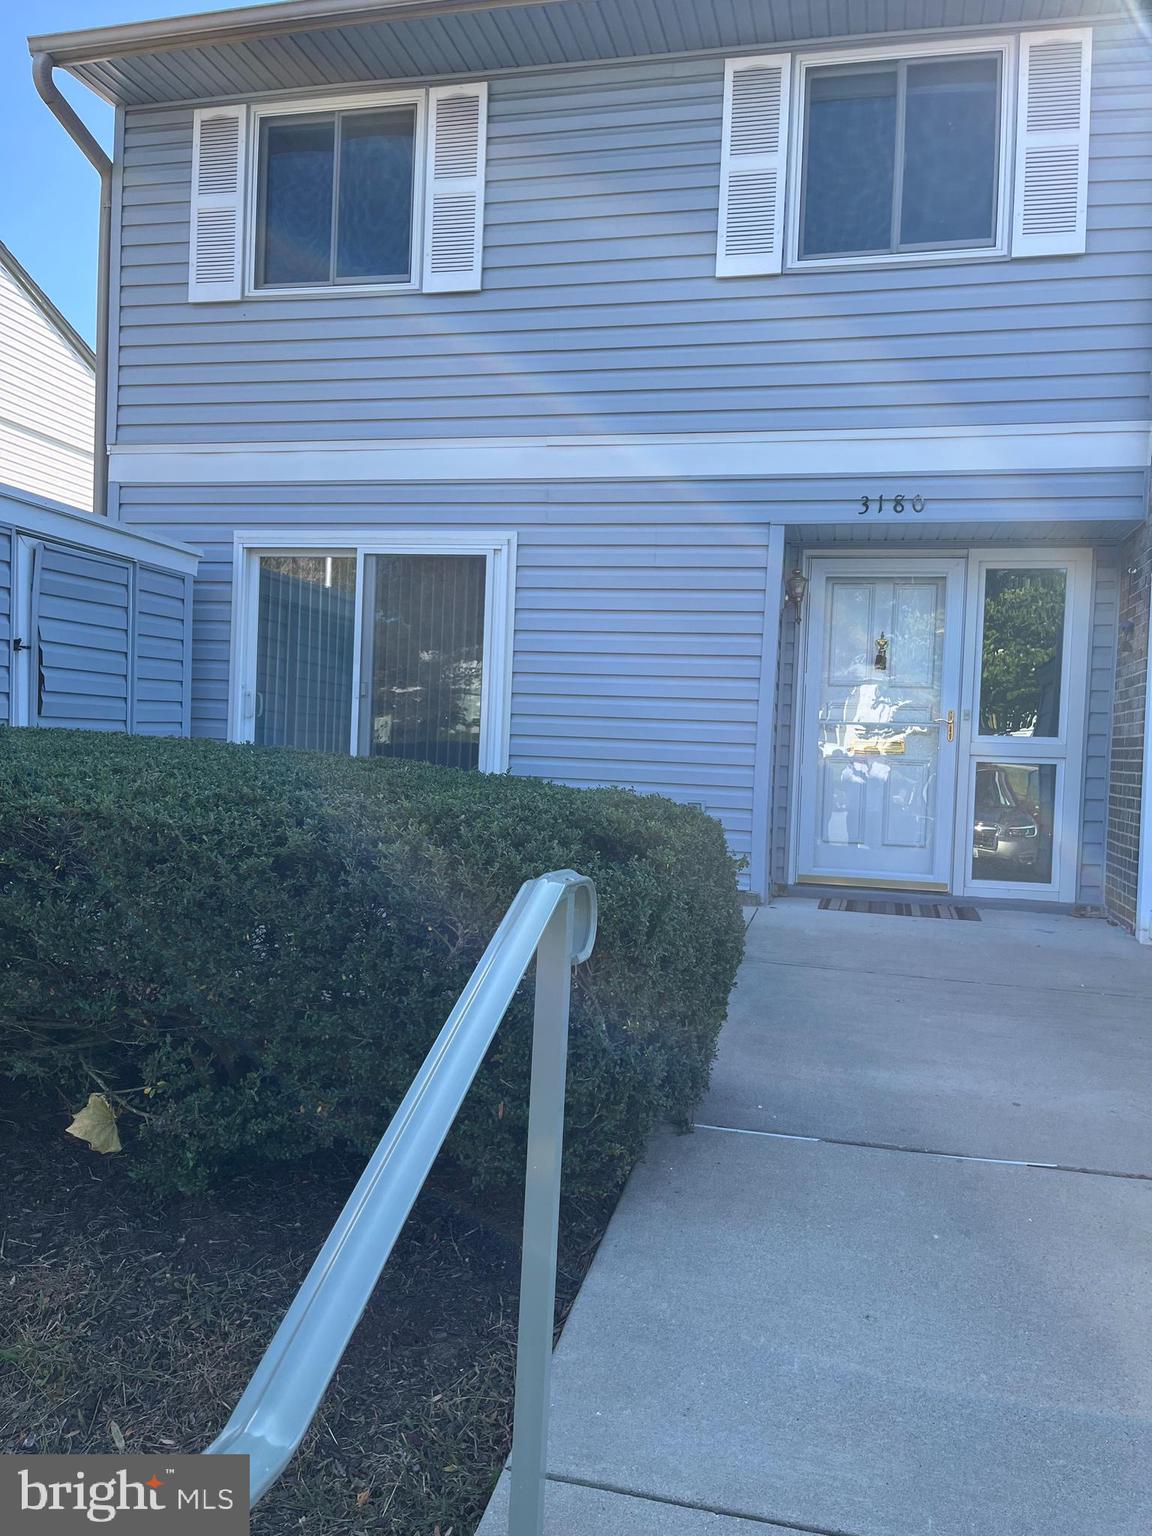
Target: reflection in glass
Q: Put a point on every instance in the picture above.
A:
(1022, 652)
(296, 200)
(849, 170)
(900, 156)
(304, 639)
(374, 219)
(1014, 816)
(951, 115)
(878, 732)
(427, 638)
(336, 198)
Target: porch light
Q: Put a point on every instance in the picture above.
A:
(794, 590)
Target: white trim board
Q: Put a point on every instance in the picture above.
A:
(1034, 448)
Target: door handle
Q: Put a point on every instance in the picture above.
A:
(949, 721)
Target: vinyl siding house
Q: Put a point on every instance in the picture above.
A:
(744, 402)
(94, 617)
(47, 393)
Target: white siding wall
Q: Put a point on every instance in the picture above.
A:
(46, 404)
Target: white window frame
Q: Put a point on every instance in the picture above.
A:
(1006, 46)
(1066, 750)
(307, 105)
(499, 551)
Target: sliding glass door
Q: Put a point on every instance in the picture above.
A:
(384, 651)
(306, 628)
(424, 634)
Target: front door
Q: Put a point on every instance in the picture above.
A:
(877, 771)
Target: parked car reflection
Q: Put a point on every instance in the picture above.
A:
(1012, 830)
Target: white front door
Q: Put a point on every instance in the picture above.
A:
(877, 770)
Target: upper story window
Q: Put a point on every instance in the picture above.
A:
(377, 191)
(900, 156)
(335, 198)
(909, 153)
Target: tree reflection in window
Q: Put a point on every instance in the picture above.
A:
(1022, 654)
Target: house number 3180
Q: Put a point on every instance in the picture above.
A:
(897, 504)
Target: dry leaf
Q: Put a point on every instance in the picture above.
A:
(96, 1124)
(113, 1428)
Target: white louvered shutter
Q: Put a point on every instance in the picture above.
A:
(1049, 214)
(753, 162)
(216, 244)
(454, 188)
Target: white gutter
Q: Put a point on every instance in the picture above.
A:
(49, 92)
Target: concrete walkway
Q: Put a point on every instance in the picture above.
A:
(851, 1304)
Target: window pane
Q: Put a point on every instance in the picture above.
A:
(304, 651)
(296, 166)
(427, 658)
(849, 162)
(1022, 654)
(1013, 818)
(374, 227)
(950, 128)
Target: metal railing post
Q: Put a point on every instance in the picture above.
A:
(554, 959)
(553, 919)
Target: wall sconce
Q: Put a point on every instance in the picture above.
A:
(794, 590)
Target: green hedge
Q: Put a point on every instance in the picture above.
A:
(251, 950)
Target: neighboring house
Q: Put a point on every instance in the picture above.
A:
(46, 393)
(743, 402)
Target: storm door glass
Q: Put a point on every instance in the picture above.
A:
(304, 651)
(1013, 825)
(425, 634)
(1022, 651)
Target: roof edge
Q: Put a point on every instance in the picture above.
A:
(32, 288)
(96, 44)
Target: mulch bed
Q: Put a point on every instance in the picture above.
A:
(131, 1323)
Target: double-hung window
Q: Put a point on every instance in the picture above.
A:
(901, 156)
(335, 197)
(390, 648)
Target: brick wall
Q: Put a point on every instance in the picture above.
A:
(1128, 726)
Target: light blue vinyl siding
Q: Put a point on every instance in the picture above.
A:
(161, 655)
(600, 312)
(639, 609)
(6, 555)
(638, 630)
(81, 619)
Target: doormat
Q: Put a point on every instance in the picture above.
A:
(900, 908)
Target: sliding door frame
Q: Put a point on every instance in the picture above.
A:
(499, 552)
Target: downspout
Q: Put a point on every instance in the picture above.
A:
(49, 92)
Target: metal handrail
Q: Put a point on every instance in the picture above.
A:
(554, 919)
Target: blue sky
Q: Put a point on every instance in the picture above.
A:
(48, 191)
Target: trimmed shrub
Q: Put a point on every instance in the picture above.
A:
(250, 951)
